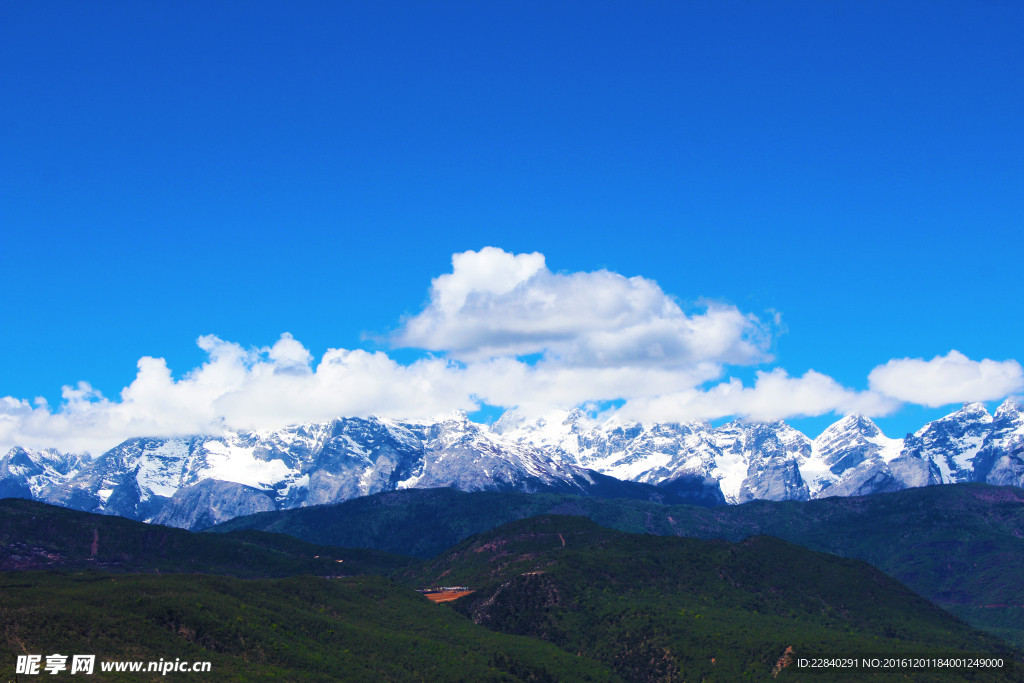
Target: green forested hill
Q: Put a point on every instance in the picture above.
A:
(961, 546)
(638, 607)
(35, 535)
(664, 608)
(422, 522)
(300, 629)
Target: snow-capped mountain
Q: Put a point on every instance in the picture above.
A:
(747, 461)
(971, 445)
(776, 462)
(852, 458)
(198, 481)
(25, 473)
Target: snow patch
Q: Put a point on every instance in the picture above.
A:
(238, 464)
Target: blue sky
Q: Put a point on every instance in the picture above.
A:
(173, 170)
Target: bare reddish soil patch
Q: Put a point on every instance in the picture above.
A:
(446, 596)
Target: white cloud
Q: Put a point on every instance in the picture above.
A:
(273, 387)
(547, 385)
(601, 336)
(239, 389)
(496, 304)
(774, 396)
(953, 378)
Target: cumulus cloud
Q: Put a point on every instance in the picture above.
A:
(597, 336)
(774, 396)
(546, 385)
(237, 388)
(496, 304)
(266, 388)
(953, 378)
(258, 389)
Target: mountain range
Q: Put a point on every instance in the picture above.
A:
(196, 482)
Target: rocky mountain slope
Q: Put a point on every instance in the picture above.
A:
(199, 481)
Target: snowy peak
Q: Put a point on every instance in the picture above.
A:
(968, 445)
(851, 441)
(860, 424)
(26, 473)
(574, 417)
(742, 459)
(47, 459)
(852, 457)
(510, 421)
(1010, 412)
(971, 417)
(973, 410)
(550, 428)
